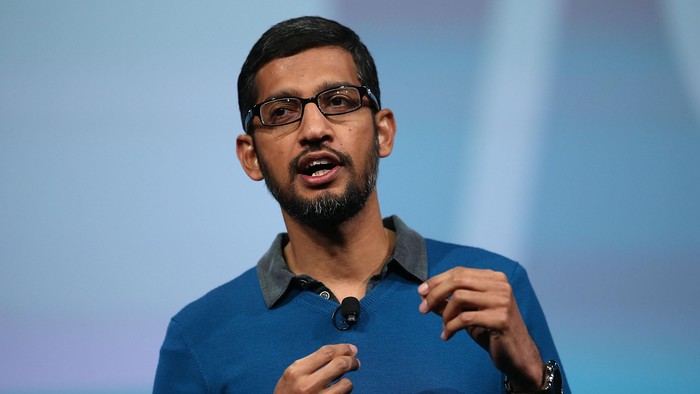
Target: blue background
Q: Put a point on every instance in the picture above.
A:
(565, 135)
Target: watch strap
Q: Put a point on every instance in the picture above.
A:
(552, 381)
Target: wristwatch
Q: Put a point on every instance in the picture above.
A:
(552, 381)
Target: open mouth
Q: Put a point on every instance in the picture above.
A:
(315, 166)
(318, 168)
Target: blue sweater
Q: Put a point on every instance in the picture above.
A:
(229, 341)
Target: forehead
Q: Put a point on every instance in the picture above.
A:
(304, 73)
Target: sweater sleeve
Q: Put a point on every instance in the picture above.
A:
(534, 318)
(179, 370)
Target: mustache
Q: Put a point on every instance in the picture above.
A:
(294, 164)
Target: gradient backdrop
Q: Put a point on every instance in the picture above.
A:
(565, 135)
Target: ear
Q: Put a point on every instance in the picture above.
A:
(386, 131)
(245, 150)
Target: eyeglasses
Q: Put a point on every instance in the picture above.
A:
(286, 110)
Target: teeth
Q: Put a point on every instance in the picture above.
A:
(318, 163)
(318, 167)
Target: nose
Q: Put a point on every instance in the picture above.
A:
(314, 127)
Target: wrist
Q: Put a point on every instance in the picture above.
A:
(550, 382)
(527, 378)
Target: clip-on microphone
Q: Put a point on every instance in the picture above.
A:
(350, 309)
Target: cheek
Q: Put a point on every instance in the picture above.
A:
(274, 162)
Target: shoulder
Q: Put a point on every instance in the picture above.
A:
(444, 255)
(237, 296)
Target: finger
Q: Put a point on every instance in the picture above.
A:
(449, 274)
(323, 356)
(463, 320)
(493, 320)
(426, 288)
(433, 281)
(495, 305)
(465, 300)
(444, 286)
(438, 308)
(462, 301)
(434, 298)
(334, 370)
(469, 300)
(317, 371)
(343, 386)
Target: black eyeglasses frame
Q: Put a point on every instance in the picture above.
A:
(255, 110)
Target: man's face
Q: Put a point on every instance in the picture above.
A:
(321, 169)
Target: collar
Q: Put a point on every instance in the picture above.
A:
(409, 254)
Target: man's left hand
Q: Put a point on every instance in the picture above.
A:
(482, 302)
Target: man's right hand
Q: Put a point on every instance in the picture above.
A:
(316, 372)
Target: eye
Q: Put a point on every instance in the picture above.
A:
(339, 100)
(280, 111)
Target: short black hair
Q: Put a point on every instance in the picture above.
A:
(295, 35)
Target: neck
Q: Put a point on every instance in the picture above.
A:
(344, 256)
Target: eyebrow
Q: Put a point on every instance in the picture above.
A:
(320, 88)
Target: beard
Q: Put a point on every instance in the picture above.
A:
(327, 208)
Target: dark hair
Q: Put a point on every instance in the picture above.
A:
(292, 36)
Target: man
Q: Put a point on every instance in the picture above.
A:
(432, 317)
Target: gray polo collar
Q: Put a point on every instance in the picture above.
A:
(409, 253)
